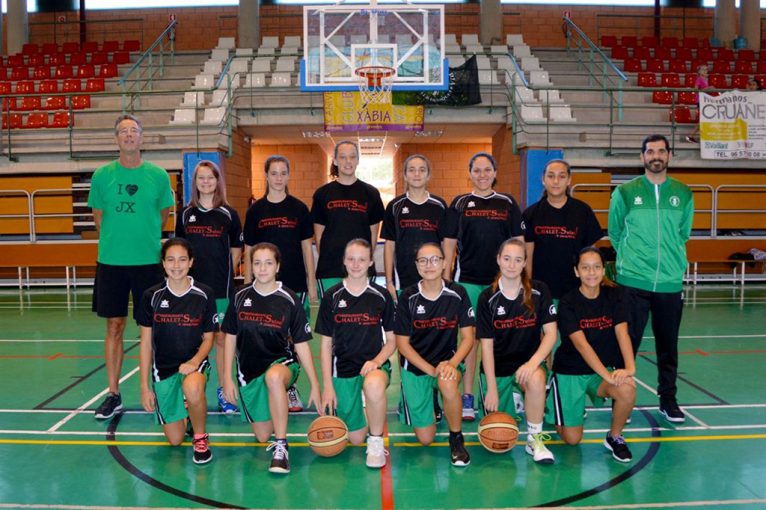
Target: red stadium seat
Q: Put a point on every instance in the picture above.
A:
(42, 73)
(36, 121)
(649, 41)
(684, 54)
(608, 41)
(16, 61)
(670, 42)
(631, 41)
(19, 73)
(705, 54)
(61, 120)
(120, 57)
(49, 86)
(5, 88)
(656, 66)
(671, 80)
(662, 97)
(107, 71)
(761, 66)
(110, 46)
(725, 54)
(647, 80)
(13, 120)
(70, 47)
(662, 53)
(632, 65)
(38, 59)
(691, 42)
(642, 52)
(131, 45)
(50, 48)
(718, 81)
(89, 47)
(72, 85)
(620, 53)
(29, 103)
(86, 71)
(722, 66)
(30, 49)
(95, 85)
(743, 66)
(77, 59)
(682, 115)
(696, 64)
(64, 72)
(678, 66)
(9, 103)
(80, 102)
(99, 58)
(739, 81)
(687, 98)
(57, 59)
(25, 87)
(745, 55)
(55, 103)
(689, 80)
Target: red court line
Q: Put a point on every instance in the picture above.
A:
(386, 482)
(56, 356)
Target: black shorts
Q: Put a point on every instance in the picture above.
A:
(114, 283)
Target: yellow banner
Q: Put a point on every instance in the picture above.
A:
(344, 111)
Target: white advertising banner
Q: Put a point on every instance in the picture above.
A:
(733, 125)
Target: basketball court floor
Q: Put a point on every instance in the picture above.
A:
(55, 455)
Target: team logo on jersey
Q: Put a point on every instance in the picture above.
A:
(421, 309)
(192, 218)
(471, 204)
(552, 310)
(241, 238)
(405, 210)
(638, 201)
(164, 304)
(217, 318)
(675, 201)
(307, 329)
(342, 303)
(248, 302)
(470, 312)
(501, 310)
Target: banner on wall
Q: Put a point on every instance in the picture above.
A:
(344, 111)
(733, 125)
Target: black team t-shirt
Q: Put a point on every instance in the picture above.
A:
(267, 328)
(409, 225)
(480, 225)
(284, 224)
(178, 323)
(516, 332)
(212, 234)
(347, 212)
(596, 318)
(432, 325)
(559, 235)
(357, 325)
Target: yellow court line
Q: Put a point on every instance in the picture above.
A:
(65, 442)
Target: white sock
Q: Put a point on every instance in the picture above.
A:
(533, 428)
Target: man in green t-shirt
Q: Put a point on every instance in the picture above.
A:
(131, 199)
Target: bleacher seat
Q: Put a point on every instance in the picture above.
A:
(25, 87)
(646, 79)
(254, 80)
(498, 49)
(690, 42)
(681, 115)
(718, 81)
(689, 80)
(532, 113)
(513, 40)
(631, 41)
(655, 65)
(120, 58)
(184, 116)
(80, 102)
(671, 80)
(9, 103)
(72, 85)
(632, 65)
(77, 59)
(550, 96)
(705, 54)
(89, 47)
(687, 98)
(662, 97)
(743, 66)
(36, 120)
(49, 86)
(684, 54)
(539, 78)
(57, 59)
(725, 54)
(239, 65)
(29, 103)
(86, 71)
(270, 42)
(746, 54)
(219, 98)
(521, 51)
(37, 59)
(285, 64)
(63, 72)
(214, 116)
(560, 113)
(13, 120)
(95, 85)
(530, 64)
(470, 39)
(642, 52)
(696, 64)
(281, 79)
(678, 66)
(213, 67)
(739, 81)
(55, 103)
(649, 41)
(670, 42)
(266, 52)
(761, 66)
(472, 49)
(722, 66)
(5, 88)
(487, 77)
(99, 58)
(455, 60)
(226, 42)
(219, 54)
(70, 47)
(609, 41)
(663, 53)
(193, 99)
(261, 65)
(30, 48)
(203, 81)
(16, 61)
(107, 71)
(41, 73)
(50, 48)
(60, 120)
(524, 95)
(483, 63)
(19, 73)
(110, 46)
(131, 45)
(244, 52)
(291, 41)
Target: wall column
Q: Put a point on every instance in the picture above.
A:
(750, 22)
(490, 22)
(249, 24)
(725, 21)
(17, 26)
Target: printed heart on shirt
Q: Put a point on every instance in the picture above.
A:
(131, 189)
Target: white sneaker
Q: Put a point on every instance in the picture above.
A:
(536, 448)
(376, 452)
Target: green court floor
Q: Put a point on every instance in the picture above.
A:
(55, 455)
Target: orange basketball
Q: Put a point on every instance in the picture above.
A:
(498, 432)
(328, 436)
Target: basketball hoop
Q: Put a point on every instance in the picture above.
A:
(375, 83)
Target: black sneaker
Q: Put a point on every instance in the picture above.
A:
(671, 412)
(111, 405)
(202, 454)
(459, 454)
(438, 414)
(280, 462)
(618, 447)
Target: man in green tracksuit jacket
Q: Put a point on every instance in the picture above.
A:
(650, 220)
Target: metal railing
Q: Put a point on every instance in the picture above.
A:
(142, 74)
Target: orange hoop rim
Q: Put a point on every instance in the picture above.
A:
(374, 75)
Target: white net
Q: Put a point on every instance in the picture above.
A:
(375, 84)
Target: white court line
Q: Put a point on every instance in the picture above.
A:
(690, 415)
(88, 403)
(84, 507)
(715, 336)
(671, 504)
(47, 340)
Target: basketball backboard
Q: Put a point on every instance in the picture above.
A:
(343, 37)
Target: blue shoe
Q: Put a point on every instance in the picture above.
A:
(224, 405)
(469, 413)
